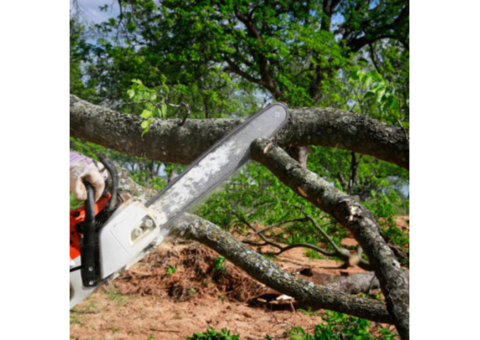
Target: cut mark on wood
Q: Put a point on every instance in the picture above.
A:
(267, 147)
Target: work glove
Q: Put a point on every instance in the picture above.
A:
(80, 171)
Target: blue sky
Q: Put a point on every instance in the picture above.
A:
(90, 11)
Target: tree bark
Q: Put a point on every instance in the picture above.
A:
(168, 142)
(352, 284)
(268, 273)
(353, 216)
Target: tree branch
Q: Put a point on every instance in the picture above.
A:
(270, 274)
(341, 253)
(168, 142)
(236, 69)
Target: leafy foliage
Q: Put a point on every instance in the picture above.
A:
(171, 269)
(212, 334)
(339, 326)
(219, 264)
(79, 50)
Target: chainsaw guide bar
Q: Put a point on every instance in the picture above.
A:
(216, 164)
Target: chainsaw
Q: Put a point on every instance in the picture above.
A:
(109, 236)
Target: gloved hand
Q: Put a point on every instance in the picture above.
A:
(80, 171)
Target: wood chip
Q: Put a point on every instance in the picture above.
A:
(300, 190)
(267, 147)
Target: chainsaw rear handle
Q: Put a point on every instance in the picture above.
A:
(88, 246)
(89, 241)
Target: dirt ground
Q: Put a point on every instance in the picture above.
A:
(147, 302)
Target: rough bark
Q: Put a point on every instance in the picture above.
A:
(167, 141)
(126, 184)
(268, 273)
(352, 215)
(352, 284)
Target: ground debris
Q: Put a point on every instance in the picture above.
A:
(192, 273)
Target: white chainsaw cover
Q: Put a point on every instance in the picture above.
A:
(126, 237)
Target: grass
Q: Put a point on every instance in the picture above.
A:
(117, 297)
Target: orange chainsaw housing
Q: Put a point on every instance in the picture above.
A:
(77, 216)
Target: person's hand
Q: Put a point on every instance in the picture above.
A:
(82, 171)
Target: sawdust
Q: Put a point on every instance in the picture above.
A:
(194, 275)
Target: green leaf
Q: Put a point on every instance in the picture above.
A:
(131, 93)
(380, 95)
(146, 114)
(368, 81)
(164, 111)
(369, 94)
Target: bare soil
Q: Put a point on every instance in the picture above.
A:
(148, 302)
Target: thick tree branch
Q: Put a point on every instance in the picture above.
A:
(168, 142)
(268, 273)
(353, 216)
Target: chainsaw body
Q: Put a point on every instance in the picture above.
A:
(131, 232)
(106, 238)
(79, 291)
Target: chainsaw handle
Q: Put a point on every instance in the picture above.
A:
(88, 242)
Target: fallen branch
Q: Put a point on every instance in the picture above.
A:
(353, 216)
(268, 273)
